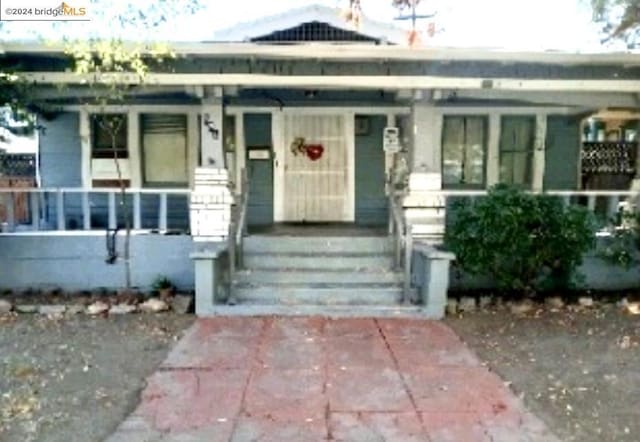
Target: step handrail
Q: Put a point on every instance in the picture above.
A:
(237, 231)
(401, 235)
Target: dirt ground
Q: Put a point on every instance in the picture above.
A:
(76, 379)
(577, 370)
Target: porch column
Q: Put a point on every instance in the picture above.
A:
(426, 122)
(211, 121)
(537, 184)
(423, 210)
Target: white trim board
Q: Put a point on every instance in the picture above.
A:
(356, 51)
(341, 82)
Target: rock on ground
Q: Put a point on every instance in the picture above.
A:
(467, 304)
(5, 306)
(97, 308)
(122, 309)
(154, 305)
(52, 309)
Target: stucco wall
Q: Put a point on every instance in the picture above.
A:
(74, 261)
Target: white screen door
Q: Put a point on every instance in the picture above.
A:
(315, 191)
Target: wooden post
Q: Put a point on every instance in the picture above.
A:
(60, 210)
(86, 211)
(113, 220)
(591, 203)
(11, 216)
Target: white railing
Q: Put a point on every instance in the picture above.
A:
(237, 232)
(605, 202)
(401, 235)
(48, 209)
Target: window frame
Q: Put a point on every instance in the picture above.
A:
(143, 159)
(530, 153)
(485, 148)
(107, 152)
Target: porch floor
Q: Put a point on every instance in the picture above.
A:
(317, 229)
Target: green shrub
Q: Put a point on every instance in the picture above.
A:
(525, 242)
(622, 248)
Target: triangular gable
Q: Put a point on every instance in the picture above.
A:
(314, 31)
(321, 23)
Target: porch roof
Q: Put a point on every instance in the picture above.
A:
(351, 52)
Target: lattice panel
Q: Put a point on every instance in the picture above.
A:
(609, 157)
(18, 165)
(314, 31)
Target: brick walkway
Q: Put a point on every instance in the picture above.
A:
(313, 379)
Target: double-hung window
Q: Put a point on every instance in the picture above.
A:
(464, 141)
(517, 141)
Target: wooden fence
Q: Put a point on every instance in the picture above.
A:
(15, 203)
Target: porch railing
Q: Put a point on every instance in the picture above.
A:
(401, 235)
(606, 203)
(237, 232)
(60, 209)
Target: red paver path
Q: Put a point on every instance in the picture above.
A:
(314, 379)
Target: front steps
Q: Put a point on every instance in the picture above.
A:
(332, 276)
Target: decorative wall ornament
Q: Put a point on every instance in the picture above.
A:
(312, 151)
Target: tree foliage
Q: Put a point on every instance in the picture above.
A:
(620, 19)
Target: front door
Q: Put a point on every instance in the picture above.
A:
(315, 175)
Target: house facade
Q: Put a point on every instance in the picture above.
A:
(310, 122)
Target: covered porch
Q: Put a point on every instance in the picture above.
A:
(373, 143)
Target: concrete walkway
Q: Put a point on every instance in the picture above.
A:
(314, 379)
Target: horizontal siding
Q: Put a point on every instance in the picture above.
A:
(61, 151)
(371, 201)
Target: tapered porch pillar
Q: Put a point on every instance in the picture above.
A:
(426, 124)
(211, 136)
(423, 210)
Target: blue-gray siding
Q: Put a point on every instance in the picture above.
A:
(61, 166)
(371, 202)
(61, 151)
(257, 133)
(78, 262)
(562, 153)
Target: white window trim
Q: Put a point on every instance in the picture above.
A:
(134, 136)
(493, 139)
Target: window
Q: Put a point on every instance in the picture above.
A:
(105, 130)
(463, 151)
(517, 138)
(164, 149)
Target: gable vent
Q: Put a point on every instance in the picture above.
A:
(315, 31)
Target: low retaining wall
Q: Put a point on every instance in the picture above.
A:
(76, 260)
(597, 275)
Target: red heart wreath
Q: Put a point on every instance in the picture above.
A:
(314, 151)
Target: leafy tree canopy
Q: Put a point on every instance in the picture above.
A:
(620, 19)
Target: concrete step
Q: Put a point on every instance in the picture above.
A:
(333, 311)
(315, 261)
(302, 275)
(318, 294)
(319, 244)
